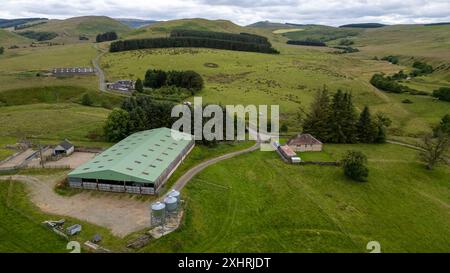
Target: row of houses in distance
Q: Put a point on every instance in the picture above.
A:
(73, 71)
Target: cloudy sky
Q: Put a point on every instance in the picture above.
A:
(331, 12)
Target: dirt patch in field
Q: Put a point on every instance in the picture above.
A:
(227, 78)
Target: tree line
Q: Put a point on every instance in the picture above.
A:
(39, 36)
(107, 36)
(335, 120)
(191, 80)
(142, 113)
(200, 42)
(307, 42)
(242, 37)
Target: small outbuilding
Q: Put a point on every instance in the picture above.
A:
(64, 148)
(305, 143)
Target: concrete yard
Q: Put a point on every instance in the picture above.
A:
(17, 160)
(121, 214)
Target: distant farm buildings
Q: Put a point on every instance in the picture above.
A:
(73, 71)
(305, 143)
(121, 85)
(141, 163)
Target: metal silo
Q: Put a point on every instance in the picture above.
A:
(175, 194)
(171, 204)
(158, 213)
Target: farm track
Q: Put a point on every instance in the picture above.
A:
(100, 73)
(185, 178)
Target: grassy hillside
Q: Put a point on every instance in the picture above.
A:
(19, 67)
(70, 29)
(428, 42)
(51, 121)
(289, 80)
(265, 205)
(8, 39)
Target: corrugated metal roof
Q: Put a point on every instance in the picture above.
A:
(141, 157)
(302, 139)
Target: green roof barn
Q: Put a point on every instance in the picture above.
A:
(141, 163)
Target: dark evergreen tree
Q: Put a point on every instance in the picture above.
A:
(316, 121)
(107, 36)
(366, 128)
(2, 50)
(139, 86)
(350, 119)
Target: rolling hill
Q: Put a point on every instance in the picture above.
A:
(161, 29)
(8, 38)
(136, 23)
(70, 29)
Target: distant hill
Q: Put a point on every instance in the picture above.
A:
(162, 29)
(363, 25)
(438, 24)
(69, 30)
(321, 33)
(7, 23)
(268, 24)
(136, 23)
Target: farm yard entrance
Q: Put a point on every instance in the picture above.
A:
(72, 161)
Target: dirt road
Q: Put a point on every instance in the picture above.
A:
(100, 73)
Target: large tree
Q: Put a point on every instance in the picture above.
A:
(355, 166)
(316, 121)
(433, 149)
(117, 125)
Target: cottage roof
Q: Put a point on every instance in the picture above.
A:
(303, 139)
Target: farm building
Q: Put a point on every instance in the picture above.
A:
(71, 71)
(288, 154)
(122, 85)
(64, 148)
(305, 143)
(141, 163)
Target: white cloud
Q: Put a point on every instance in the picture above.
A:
(243, 12)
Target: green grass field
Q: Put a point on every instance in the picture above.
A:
(51, 122)
(257, 203)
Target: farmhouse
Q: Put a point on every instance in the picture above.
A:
(305, 143)
(122, 85)
(141, 163)
(71, 71)
(64, 148)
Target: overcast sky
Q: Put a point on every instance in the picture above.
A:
(330, 12)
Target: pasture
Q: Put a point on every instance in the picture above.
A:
(257, 203)
(51, 122)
